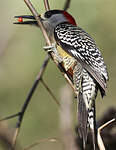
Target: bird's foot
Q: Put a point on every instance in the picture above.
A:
(53, 48)
(49, 48)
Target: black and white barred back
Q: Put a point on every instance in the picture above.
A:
(82, 47)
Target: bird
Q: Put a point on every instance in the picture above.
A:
(81, 58)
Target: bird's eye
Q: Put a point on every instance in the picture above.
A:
(48, 14)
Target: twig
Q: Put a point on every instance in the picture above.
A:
(12, 116)
(38, 19)
(46, 4)
(18, 125)
(41, 141)
(67, 4)
(32, 92)
(99, 138)
(50, 92)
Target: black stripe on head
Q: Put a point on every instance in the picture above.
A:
(48, 14)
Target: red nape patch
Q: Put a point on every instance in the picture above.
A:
(69, 18)
(20, 19)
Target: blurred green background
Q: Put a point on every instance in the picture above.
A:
(21, 55)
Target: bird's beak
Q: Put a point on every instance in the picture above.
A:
(20, 20)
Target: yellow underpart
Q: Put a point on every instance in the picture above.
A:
(68, 60)
(62, 53)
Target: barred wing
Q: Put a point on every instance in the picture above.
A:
(76, 42)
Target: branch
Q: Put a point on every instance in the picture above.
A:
(50, 92)
(99, 138)
(38, 19)
(9, 117)
(46, 4)
(24, 107)
(41, 141)
(39, 77)
(67, 4)
(20, 114)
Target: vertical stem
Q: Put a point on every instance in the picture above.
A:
(38, 19)
(26, 103)
(46, 4)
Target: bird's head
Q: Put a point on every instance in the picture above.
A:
(50, 19)
(54, 17)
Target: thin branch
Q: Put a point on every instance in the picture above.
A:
(31, 92)
(50, 92)
(99, 138)
(38, 19)
(106, 124)
(41, 141)
(47, 88)
(67, 4)
(48, 42)
(46, 4)
(12, 116)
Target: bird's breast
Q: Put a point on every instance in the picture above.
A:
(68, 61)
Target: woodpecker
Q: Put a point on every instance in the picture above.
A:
(79, 55)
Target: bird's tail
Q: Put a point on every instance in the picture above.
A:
(82, 119)
(86, 119)
(92, 123)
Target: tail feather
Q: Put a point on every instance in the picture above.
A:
(82, 119)
(86, 119)
(86, 106)
(92, 123)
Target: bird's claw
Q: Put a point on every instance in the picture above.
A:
(53, 48)
(49, 48)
